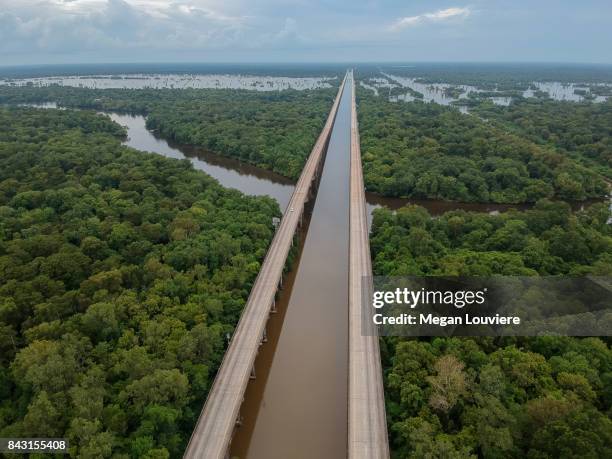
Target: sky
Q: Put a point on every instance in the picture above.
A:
(92, 31)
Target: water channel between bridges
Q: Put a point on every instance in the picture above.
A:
(302, 410)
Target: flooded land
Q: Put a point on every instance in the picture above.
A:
(453, 94)
(178, 81)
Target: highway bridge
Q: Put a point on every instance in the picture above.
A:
(367, 425)
(367, 433)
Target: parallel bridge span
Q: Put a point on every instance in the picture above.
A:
(367, 426)
(215, 427)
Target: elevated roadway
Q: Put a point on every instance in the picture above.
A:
(367, 426)
(215, 427)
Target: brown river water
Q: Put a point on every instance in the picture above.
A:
(302, 411)
(253, 180)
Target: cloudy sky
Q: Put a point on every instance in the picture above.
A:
(72, 31)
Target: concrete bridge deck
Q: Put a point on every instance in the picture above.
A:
(215, 427)
(367, 426)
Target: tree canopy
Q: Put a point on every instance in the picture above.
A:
(544, 397)
(425, 150)
(582, 131)
(122, 274)
(274, 130)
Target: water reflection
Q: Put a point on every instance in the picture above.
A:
(230, 173)
(563, 91)
(505, 101)
(435, 208)
(371, 88)
(40, 105)
(434, 92)
(445, 94)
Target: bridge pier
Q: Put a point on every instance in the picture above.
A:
(273, 310)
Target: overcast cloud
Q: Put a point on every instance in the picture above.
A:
(57, 31)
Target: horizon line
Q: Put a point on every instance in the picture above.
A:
(313, 62)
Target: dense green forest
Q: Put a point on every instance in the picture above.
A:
(122, 275)
(272, 129)
(548, 239)
(545, 397)
(423, 150)
(582, 131)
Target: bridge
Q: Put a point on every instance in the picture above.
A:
(367, 436)
(367, 424)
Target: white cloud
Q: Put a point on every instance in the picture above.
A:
(436, 16)
(28, 26)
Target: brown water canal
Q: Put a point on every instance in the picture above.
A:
(302, 410)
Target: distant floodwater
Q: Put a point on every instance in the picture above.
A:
(177, 81)
(447, 94)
